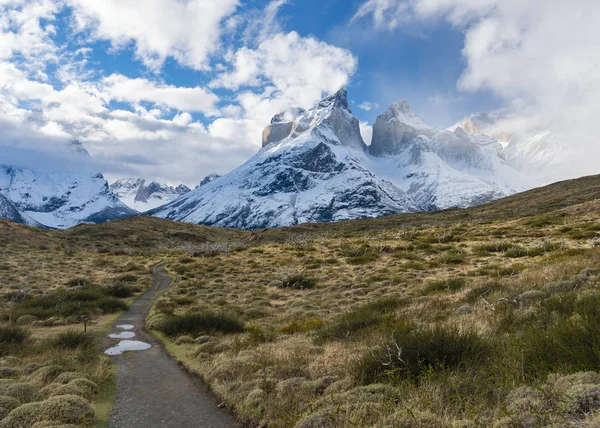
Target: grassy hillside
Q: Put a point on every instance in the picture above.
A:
(479, 317)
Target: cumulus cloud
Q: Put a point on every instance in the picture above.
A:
(187, 31)
(291, 70)
(540, 56)
(197, 99)
(52, 91)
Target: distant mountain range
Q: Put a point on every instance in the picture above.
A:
(142, 196)
(57, 199)
(313, 167)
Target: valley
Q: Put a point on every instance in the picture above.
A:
(468, 317)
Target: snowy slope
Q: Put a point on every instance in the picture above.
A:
(537, 150)
(311, 169)
(441, 169)
(8, 211)
(142, 196)
(60, 199)
(315, 167)
(208, 179)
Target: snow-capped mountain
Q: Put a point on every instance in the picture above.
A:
(143, 196)
(440, 169)
(60, 199)
(315, 167)
(311, 169)
(8, 211)
(208, 179)
(537, 150)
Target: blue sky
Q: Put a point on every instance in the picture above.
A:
(174, 90)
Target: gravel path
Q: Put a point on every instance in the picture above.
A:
(152, 389)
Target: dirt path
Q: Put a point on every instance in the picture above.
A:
(152, 389)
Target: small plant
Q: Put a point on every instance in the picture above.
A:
(79, 282)
(413, 352)
(118, 289)
(303, 326)
(203, 322)
(445, 286)
(73, 340)
(298, 282)
(369, 315)
(11, 338)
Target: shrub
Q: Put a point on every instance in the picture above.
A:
(110, 305)
(25, 320)
(298, 282)
(81, 387)
(23, 392)
(447, 285)
(202, 322)
(8, 403)
(568, 343)
(79, 282)
(454, 257)
(70, 303)
(360, 318)
(11, 338)
(45, 374)
(360, 255)
(24, 416)
(68, 409)
(303, 326)
(492, 247)
(118, 289)
(73, 339)
(475, 294)
(413, 352)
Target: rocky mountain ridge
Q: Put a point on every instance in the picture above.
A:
(314, 166)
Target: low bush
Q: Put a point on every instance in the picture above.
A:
(492, 247)
(413, 352)
(303, 326)
(79, 282)
(369, 315)
(360, 255)
(445, 286)
(22, 392)
(77, 303)
(110, 305)
(73, 340)
(298, 282)
(118, 289)
(202, 322)
(11, 338)
(566, 342)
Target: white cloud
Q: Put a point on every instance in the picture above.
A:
(197, 99)
(366, 131)
(541, 56)
(385, 13)
(22, 32)
(444, 100)
(301, 68)
(185, 30)
(368, 106)
(53, 91)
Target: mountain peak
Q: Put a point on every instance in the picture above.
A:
(396, 128)
(77, 148)
(333, 110)
(337, 99)
(400, 105)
